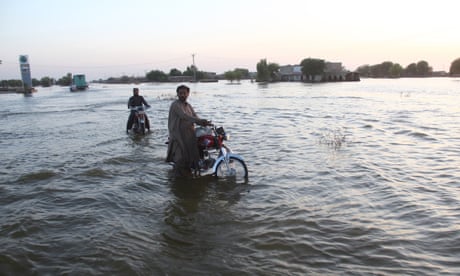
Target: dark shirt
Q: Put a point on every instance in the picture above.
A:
(137, 101)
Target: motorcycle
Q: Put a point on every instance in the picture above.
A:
(216, 157)
(139, 119)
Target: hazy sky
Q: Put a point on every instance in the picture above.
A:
(103, 38)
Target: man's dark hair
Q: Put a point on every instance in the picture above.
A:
(182, 87)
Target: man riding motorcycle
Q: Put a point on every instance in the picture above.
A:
(133, 101)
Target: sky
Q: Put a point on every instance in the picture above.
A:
(111, 38)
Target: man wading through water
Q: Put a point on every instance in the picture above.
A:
(182, 143)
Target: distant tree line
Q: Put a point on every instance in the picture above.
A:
(389, 69)
(157, 75)
(44, 82)
(152, 76)
(190, 73)
(266, 72)
(160, 76)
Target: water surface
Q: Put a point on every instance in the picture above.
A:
(344, 178)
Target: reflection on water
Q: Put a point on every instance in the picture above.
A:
(344, 178)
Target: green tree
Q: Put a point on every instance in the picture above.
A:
(190, 70)
(455, 67)
(312, 67)
(15, 83)
(156, 75)
(125, 79)
(175, 72)
(411, 70)
(11, 83)
(396, 70)
(263, 73)
(35, 82)
(238, 74)
(423, 68)
(385, 68)
(230, 75)
(65, 80)
(193, 71)
(273, 70)
(243, 72)
(233, 75)
(364, 70)
(382, 70)
(46, 81)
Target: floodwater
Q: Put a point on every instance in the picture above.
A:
(351, 178)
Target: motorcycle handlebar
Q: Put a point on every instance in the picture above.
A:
(209, 123)
(139, 107)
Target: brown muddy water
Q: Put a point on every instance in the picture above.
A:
(354, 178)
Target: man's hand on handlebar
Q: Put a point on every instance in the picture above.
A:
(204, 122)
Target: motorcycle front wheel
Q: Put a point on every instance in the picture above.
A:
(236, 168)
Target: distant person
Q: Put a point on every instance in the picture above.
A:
(182, 144)
(136, 100)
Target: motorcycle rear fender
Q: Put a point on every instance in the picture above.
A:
(141, 118)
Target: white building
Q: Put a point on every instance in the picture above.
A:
(333, 71)
(290, 73)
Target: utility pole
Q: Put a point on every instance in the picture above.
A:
(194, 68)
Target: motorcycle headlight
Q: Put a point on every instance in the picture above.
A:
(220, 131)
